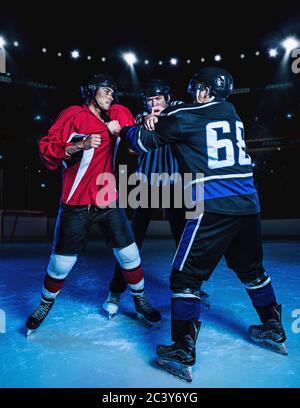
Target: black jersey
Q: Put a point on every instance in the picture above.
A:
(207, 139)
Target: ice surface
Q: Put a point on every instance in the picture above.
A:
(77, 346)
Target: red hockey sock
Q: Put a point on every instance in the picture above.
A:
(53, 285)
(135, 279)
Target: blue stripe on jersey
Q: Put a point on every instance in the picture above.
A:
(226, 188)
(185, 309)
(153, 170)
(173, 162)
(166, 169)
(158, 161)
(131, 139)
(141, 166)
(160, 166)
(176, 165)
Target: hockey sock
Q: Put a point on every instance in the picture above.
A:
(135, 279)
(52, 287)
(184, 310)
(263, 296)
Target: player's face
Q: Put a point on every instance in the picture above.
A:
(204, 97)
(156, 104)
(104, 97)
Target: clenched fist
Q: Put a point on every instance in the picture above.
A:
(92, 142)
(114, 127)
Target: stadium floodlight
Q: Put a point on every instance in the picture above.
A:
(130, 58)
(290, 43)
(2, 42)
(75, 54)
(273, 52)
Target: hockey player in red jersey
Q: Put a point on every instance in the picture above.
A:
(82, 140)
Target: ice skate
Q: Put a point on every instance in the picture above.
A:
(145, 311)
(177, 359)
(35, 320)
(111, 305)
(270, 334)
(181, 371)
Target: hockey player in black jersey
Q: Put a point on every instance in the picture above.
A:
(207, 137)
(157, 96)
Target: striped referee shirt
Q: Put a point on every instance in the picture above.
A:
(161, 160)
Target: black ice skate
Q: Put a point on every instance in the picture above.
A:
(145, 311)
(35, 320)
(270, 333)
(111, 305)
(178, 358)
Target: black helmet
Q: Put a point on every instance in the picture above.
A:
(156, 87)
(90, 87)
(217, 79)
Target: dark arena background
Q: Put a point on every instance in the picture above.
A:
(44, 57)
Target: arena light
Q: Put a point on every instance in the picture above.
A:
(273, 52)
(16, 43)
(242, 56)
(160, 62)
(88, 57)
(75, 54)
(44, 50)
(218, 57)
(130, 58)
(146, 62)
(290, 43)
(188, 61)
(59, 54)
(173, 61)
(202, 59)
(257, 53)
(2, 42)
(103, 59)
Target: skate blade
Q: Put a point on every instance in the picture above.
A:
(111, 315)
(279, 348)
(178, 370)
(111, 309)
(154, 324)
(29, 332)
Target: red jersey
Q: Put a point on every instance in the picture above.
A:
(81, 171)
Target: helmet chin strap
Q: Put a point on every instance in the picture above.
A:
(198, 94)
(98, 111)
(96, 105)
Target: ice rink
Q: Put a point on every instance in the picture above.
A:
(77, 346)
